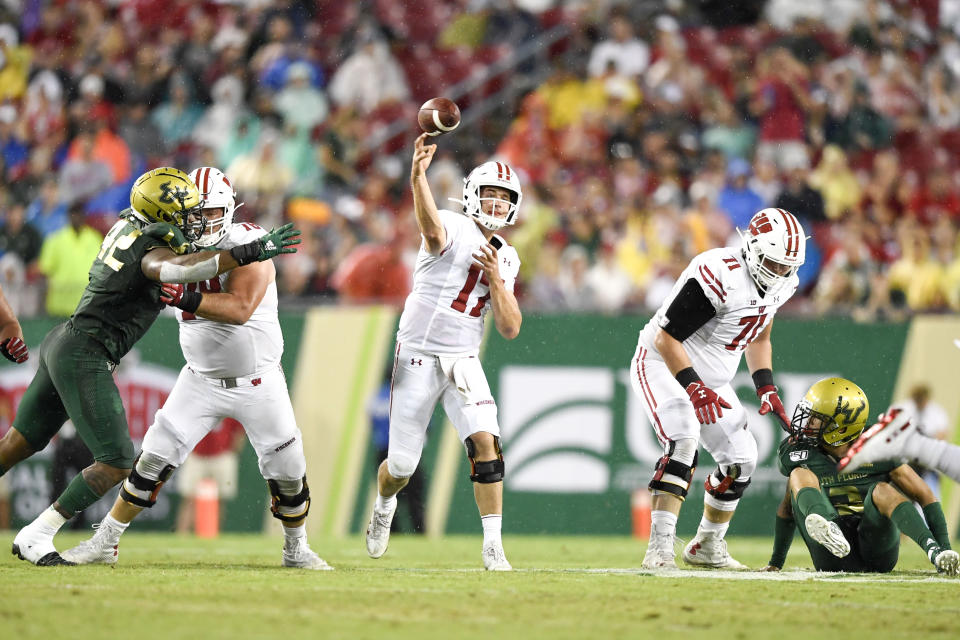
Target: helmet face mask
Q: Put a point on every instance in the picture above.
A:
(833, 412)
(219, 204)
(168, 195)
(774, 247)
(481, 206)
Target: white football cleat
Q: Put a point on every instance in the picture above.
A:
(827, 533)
(102, 548)
(711, 551)
(883, 441)
(947, 562)
(297, 554)
(36, 547)
(660, 553)
(494, 559)
(378, 531)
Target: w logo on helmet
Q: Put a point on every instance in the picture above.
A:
(170, 194)
(760, 224)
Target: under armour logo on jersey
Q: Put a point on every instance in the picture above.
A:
(415, 361)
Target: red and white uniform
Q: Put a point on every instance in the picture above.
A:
(715, 349)
(232, 371)
(438, 341)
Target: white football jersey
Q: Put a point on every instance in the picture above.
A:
(742, 313)
(221, 350)
(444, 313)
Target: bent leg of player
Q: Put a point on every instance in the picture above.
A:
(472, 410)
(267, 416)
(817, 522)
(78, 368)
(735, 450)
(670, 413)
(416, 385)
(185, 418)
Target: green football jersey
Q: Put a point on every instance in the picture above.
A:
(119, 303)
(846, 491)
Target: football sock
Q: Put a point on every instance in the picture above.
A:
(933, 514)
(294, 533)
(77, 496)
(663, 523)
(910, 522)
(810, 500)
(782, 538)
(718, 529)
(491, 524)
(385, 504)
(50, 520)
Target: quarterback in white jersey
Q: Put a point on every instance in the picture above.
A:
(720, 308)
(463, 271)
(231, 340)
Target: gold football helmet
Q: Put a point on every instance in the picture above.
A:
(834, 411)
(169, 195)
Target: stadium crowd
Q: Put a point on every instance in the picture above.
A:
(657, 129)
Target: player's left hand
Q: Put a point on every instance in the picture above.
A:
(171, 294)
(770, 401)
(170, 234)
(15, 350)
(487, 259)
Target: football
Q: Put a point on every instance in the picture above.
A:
(438, 115)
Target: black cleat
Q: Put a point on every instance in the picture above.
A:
(51, 559)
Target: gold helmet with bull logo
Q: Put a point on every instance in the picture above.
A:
(833, 412)
(169, 195)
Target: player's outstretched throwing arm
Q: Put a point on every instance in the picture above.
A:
(424, 206)
(163, 265)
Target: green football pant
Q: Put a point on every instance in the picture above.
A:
(75, 381)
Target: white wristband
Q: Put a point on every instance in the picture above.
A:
(197, 272)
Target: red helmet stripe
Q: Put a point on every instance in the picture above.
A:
(499, 171)
(793, 239)
(204, 179)
(506, 168)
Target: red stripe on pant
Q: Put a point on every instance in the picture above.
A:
(648, 395)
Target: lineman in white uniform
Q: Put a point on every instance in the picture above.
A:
(722, 306)
(463, 271)
(231, 340)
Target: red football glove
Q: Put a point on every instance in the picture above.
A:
(770, 401)
(706, 403)
(14, 350)
(171, 294)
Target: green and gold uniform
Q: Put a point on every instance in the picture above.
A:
(874, 539)
(77, 359)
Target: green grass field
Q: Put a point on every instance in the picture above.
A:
(172, 587)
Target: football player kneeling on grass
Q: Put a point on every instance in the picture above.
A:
(149, 245)
(851, 521)
(463, 271)
(232, 343)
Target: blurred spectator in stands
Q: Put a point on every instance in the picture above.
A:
(108, 148)
(13, 147)
(781, 104)
(138, 131)
(765, 181)
(216, 457)
(936, 198)
(262, 177)
(799, 198)
(43, 111)
(14, 64)
(147, 81)
(847, 279)
(673, 78)
(863, 129)
(610, 286)
(301, 106)
(737, 200)
(220, 119)
(375, 272)
(916, 277)
(47, 212)
(26, 186)
(177, 116)
(20, 246)
(942, 96)
(628, 54)
(838, 185)
(83, 176)
(576, 293)
(709, 228)
(545, 292)
(91, 103)
(932, 421)
(369, 77)
(65, 259)
(339, 150)
(19, 237)
(724, 129)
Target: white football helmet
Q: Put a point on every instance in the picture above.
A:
(217, 192)
(774, 235)
(491, 174)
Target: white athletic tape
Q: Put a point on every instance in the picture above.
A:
(178, 273)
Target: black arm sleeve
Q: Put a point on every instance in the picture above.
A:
(689, 311)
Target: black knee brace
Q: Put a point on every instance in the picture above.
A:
(289, 508)
(487, 471)
(141, 491)
(729, 488)
(672, 476)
